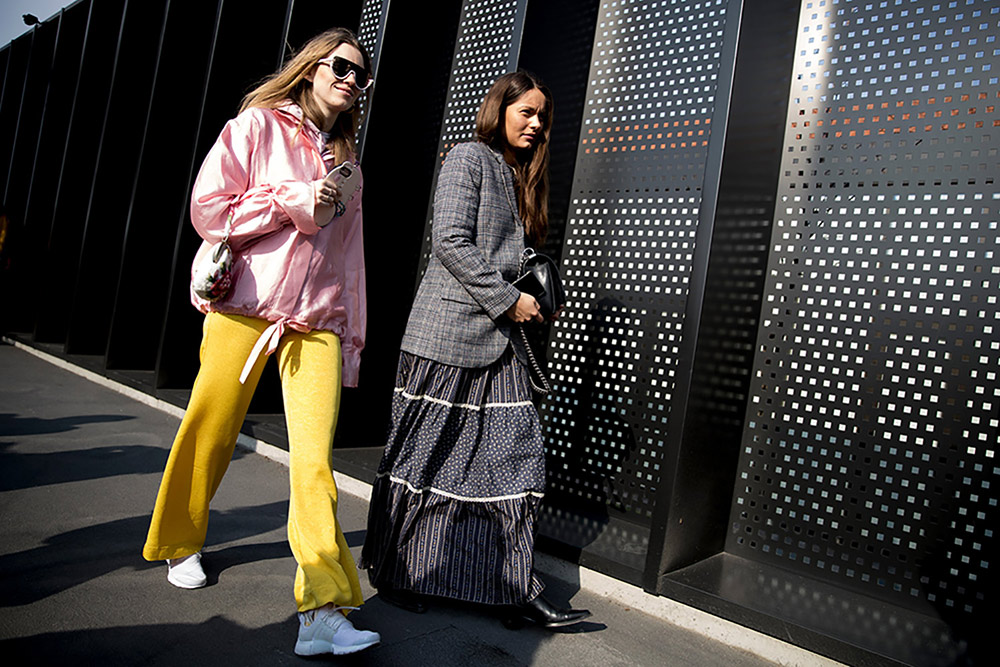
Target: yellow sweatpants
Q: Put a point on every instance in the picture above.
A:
(310, 379)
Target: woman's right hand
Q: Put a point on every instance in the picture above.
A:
(327, 193)
(524, 309)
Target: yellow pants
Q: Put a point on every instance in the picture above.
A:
(310, 379)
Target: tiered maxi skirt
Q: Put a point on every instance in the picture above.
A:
(455, 501)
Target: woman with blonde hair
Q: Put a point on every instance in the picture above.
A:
(456, 497)
(298, 288)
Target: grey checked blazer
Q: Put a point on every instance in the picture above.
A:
(458, 316)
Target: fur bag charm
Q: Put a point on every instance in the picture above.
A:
(212, 275)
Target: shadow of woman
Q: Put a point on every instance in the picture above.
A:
(30, 470)
(589, 441)
(959, 574)
(13, 424)
(77, 556)
(218, 640)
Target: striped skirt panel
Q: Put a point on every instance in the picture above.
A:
(455, 502)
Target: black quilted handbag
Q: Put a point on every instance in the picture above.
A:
(539, 277)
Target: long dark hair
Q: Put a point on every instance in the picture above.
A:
(532, 173)
(290, 83)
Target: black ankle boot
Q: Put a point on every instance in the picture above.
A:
(403, 599)
(545, 614)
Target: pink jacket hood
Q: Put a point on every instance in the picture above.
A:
(286, 269)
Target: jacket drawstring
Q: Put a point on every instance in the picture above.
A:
(269, 338)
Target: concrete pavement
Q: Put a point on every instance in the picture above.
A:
(79, 468)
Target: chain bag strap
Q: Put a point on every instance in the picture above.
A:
(539, 277)
(542, 386)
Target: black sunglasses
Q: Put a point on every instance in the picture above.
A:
(341, 67)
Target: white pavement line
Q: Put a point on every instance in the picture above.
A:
(710, 626)
(107, 383)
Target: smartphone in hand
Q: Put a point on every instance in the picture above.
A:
(348, 179)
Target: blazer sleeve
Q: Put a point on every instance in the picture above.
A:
(224, 184)
(453, 232)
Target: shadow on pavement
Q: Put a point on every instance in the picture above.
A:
(25, 471)
(221, 641)
(215, 641)
(77, 556)
(12, 424)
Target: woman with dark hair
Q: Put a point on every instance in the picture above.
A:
(457, 493)
(298, 288)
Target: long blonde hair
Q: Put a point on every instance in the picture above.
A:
(533, 174)
(290, 83)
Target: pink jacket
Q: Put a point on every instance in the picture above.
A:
(286, 269)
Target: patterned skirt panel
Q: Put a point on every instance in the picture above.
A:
(456, 498)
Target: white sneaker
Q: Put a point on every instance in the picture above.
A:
(186, 572)
(326, 630)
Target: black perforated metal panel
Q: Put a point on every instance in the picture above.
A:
(489, 35)
(370, 33)
(626, 260)
(870, 442)
(370, 29)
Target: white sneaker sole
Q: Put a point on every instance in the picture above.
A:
(186, 584)
(322, 648)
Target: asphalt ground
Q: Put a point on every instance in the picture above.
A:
(79, 468)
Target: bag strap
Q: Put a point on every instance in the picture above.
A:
(526, 254)
(534, 366)
(545, 387)
(222, 247)
(229, 227)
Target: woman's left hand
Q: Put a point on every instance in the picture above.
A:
(524, 309)
(327, 193)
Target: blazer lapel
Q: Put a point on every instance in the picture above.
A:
(506, 174)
